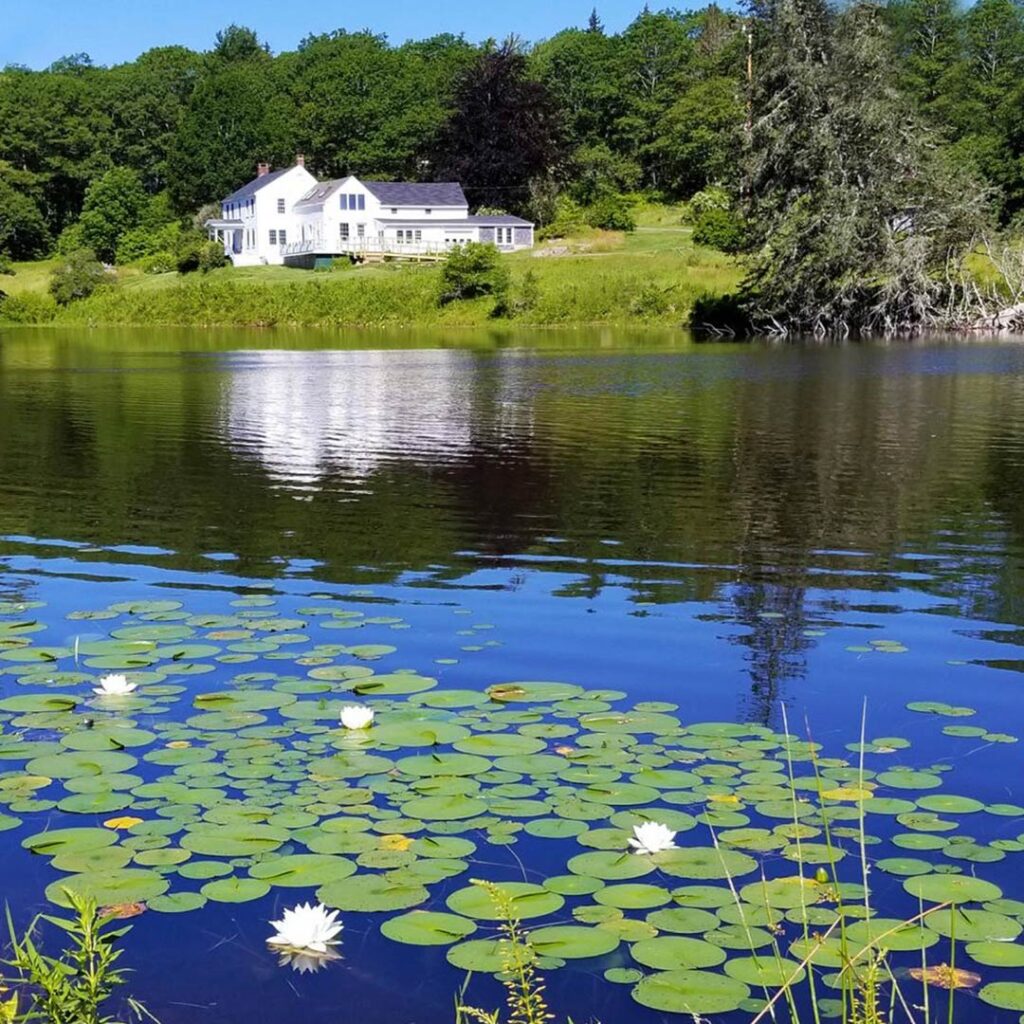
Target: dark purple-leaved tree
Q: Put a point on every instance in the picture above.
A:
(504, 132)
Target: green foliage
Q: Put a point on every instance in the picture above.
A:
(137, 243)
(719, 229)
(611, 213)
(188, 251)
(27, 308)
(473, 270)
(853, 217)
(71, 239)
(6, 268)
(211, 256)
(714, 197)
(114, 204)
(524, 989)
(77, 277)
(23, 231)
(597, 171)
(72, 988)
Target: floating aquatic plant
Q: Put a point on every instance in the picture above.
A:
(701, 859)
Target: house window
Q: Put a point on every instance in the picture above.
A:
(342, 201)
(504, 236)
(362, 202)
(428, 212)
(418, 235)
(281, 237)
(394, 209)
(273, 237)
(361, 230)
(344, 231)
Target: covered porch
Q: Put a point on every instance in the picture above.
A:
(227, 232)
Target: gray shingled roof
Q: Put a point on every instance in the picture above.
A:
(254, 186)
(413, 193)
(319, 192)
(501, 218)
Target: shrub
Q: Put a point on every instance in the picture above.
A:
(528, 297)
(568, 219)
(211, 256)
(714, 197)
(720, 229)
(27, 308)
(70, 240)
(158, 263)
(77, 277)
(651, 301)
(147, 241)
(188, 250)
(5, 266)
(612, 213)
(472, 270)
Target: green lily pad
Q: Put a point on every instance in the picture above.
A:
(126, 885)
(951, 889)
(690, 992)
(371, 893)
(573, 942)
(677, 952)
(528, 899)
(427, 928)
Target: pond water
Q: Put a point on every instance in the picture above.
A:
(258, 528)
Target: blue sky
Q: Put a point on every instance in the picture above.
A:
(112, 31)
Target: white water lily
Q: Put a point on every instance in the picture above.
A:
(652, 837)
(306, 930)
(114, 686)
(355, 717)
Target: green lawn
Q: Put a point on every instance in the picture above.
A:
(651, 275)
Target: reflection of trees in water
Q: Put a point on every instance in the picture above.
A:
(722, 473)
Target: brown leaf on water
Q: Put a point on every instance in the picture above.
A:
(122, 911)
(944, 976)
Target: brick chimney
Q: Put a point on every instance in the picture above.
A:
(300, 159)
(262, 169)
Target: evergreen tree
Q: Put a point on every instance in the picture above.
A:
(853, 214)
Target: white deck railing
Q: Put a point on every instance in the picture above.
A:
(366, 246)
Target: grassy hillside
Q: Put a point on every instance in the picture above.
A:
(652, 275)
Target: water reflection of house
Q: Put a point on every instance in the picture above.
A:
(306, 415)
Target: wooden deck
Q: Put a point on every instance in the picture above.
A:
(363, 250)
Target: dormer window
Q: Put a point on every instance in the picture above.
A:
(280, 206)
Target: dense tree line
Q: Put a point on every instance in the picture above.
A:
(653, 107)
(822, 128)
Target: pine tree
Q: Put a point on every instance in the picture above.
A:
(854, 213)
(594, 23)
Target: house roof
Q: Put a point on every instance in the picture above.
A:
(319, 192)
(254, 186)
(500, 218)
(414, 193)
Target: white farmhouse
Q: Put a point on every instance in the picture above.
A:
(289, 217)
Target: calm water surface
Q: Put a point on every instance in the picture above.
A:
(726, 528)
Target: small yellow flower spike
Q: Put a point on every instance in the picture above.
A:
(395, 842)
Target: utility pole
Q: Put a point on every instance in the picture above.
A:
(749, 36)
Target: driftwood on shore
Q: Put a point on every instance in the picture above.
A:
(1010, 319)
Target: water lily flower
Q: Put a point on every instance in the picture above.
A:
(355, 717)
(652, 837)
(306, 931)
(114, 686)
